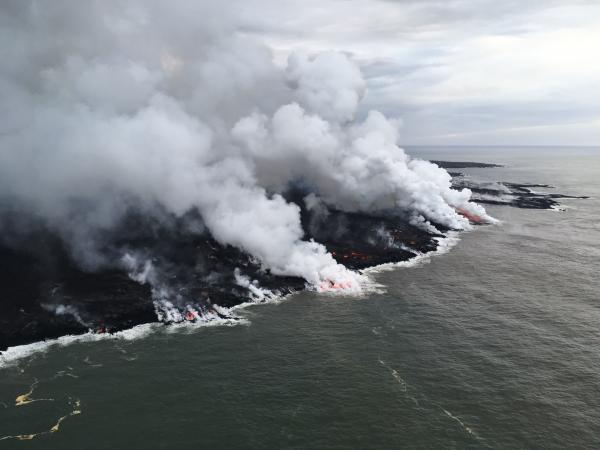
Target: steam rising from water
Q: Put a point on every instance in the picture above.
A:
(167, 108)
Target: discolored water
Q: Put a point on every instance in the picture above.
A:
(492, 345)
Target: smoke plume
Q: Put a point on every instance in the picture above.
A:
(168, 107)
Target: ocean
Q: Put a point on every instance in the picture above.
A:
(494, 343)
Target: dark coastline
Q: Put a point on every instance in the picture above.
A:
(464, 164)
(46, 294)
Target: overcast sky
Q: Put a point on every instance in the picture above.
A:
(459, 71)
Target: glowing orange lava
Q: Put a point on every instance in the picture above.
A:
(329, 285)
(474, 218)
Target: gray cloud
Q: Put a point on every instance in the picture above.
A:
(457, 67)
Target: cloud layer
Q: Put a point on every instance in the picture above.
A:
(457, 71)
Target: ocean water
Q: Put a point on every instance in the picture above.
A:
(494, 344)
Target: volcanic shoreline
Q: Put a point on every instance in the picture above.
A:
(519, 195)
(46, 294)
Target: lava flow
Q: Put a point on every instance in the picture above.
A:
(473, 218)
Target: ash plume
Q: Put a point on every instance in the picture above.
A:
(163, 108)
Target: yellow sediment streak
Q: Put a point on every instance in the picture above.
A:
(20, 437)
(76, 410)
(54, 429)
(25, 399)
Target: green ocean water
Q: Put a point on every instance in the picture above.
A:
(494, 344)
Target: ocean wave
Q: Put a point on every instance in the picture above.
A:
(12, 355)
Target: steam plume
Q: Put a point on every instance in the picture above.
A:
(167, 107)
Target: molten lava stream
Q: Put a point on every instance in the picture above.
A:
(473, 218)
(329, 285)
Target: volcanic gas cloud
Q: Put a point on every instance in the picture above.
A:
(167, 108)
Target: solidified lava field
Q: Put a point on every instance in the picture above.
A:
(46, 294)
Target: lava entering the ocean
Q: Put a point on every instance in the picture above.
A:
(473, 218)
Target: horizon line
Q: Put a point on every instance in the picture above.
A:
(503, 145)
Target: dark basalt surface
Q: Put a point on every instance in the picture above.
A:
(463, 164)
(512, 194)
(44, 293)
(503, 193)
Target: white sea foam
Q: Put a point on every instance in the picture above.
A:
(215, 321)
(227, 317)
(445, 244)
(469, 430)
(12, 355)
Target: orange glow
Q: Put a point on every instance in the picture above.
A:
(472, 217)
(329, 285)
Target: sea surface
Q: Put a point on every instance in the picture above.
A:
(493, 344)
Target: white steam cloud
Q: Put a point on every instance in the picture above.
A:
(168, 106)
